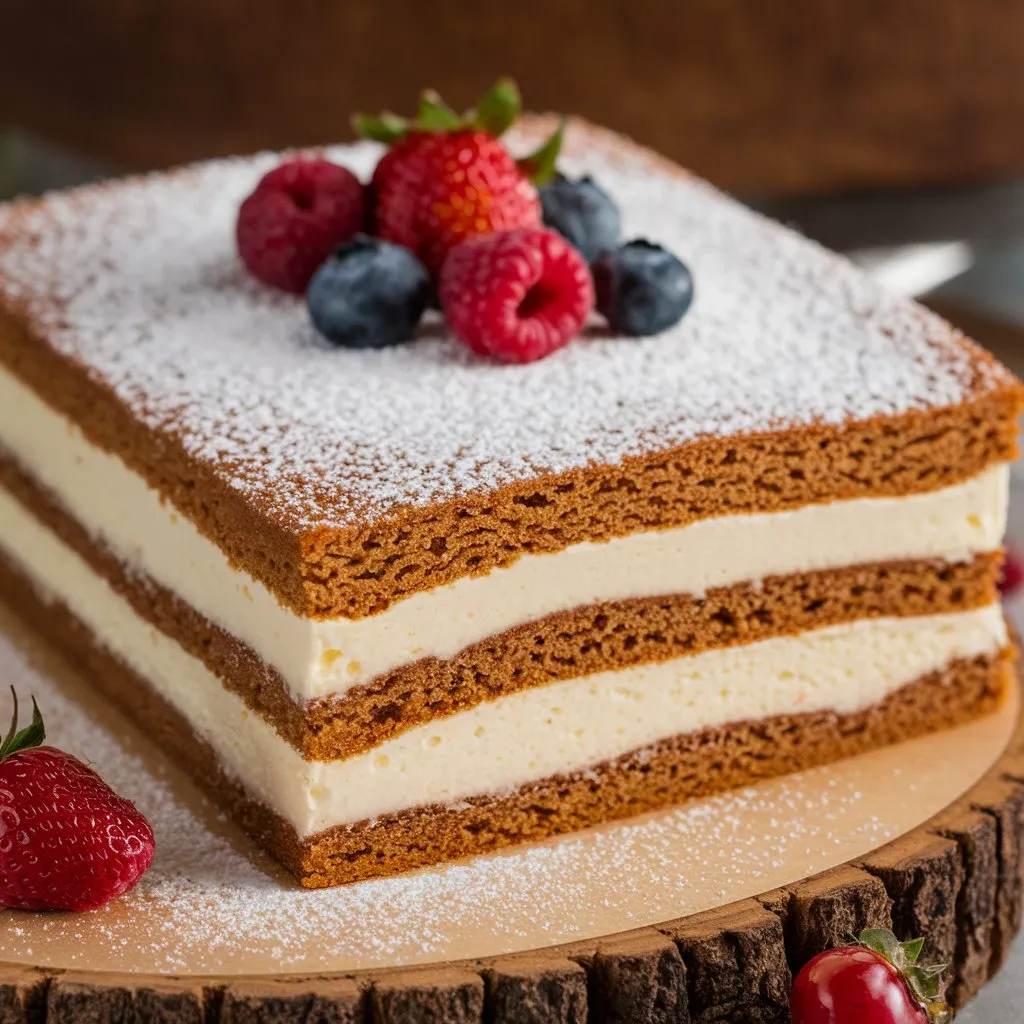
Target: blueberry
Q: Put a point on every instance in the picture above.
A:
(583, 213)
(369, 294)
(642, 288)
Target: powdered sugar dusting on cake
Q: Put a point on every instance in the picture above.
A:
(212, 904)
(140, 282)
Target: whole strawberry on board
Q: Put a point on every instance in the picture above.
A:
(447, 177)
(876, 981)
(67, 841)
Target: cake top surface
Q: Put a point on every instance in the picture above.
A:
(138, 281)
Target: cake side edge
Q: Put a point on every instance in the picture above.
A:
(646, 780)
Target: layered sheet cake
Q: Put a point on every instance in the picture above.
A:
(392, 607)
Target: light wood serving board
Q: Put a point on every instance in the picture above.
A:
(676, 916)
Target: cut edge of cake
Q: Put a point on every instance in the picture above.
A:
(925, 617)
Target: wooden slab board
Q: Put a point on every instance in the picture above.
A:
(678, 916)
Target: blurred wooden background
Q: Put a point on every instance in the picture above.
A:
(762, 96)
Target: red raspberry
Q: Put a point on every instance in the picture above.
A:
(517, 295)
(67, 841)
(297, 216)
(436, 190)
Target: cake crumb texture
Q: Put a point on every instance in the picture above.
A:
(213, 905)
(565, 645)
(347, 479)
(698, 764)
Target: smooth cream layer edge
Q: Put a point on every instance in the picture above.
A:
(526, 736)
(319, 658)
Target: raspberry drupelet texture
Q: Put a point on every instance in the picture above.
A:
(295, 218)
(517, 295)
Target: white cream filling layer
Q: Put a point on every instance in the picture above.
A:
(519, 738)
(324, 657)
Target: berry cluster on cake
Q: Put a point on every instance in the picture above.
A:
(396, 590)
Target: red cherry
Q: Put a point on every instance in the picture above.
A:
(853, 985)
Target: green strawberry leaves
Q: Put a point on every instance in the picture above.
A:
(495, 113)
(386, 127)
(912, 949)
(499, 109)
(923, 981)
(32, 735)
(435, 115)
(539, 166)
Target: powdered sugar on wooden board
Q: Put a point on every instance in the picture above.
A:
(140, 282)
(212, 904)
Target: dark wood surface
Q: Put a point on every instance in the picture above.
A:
(759, 95)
